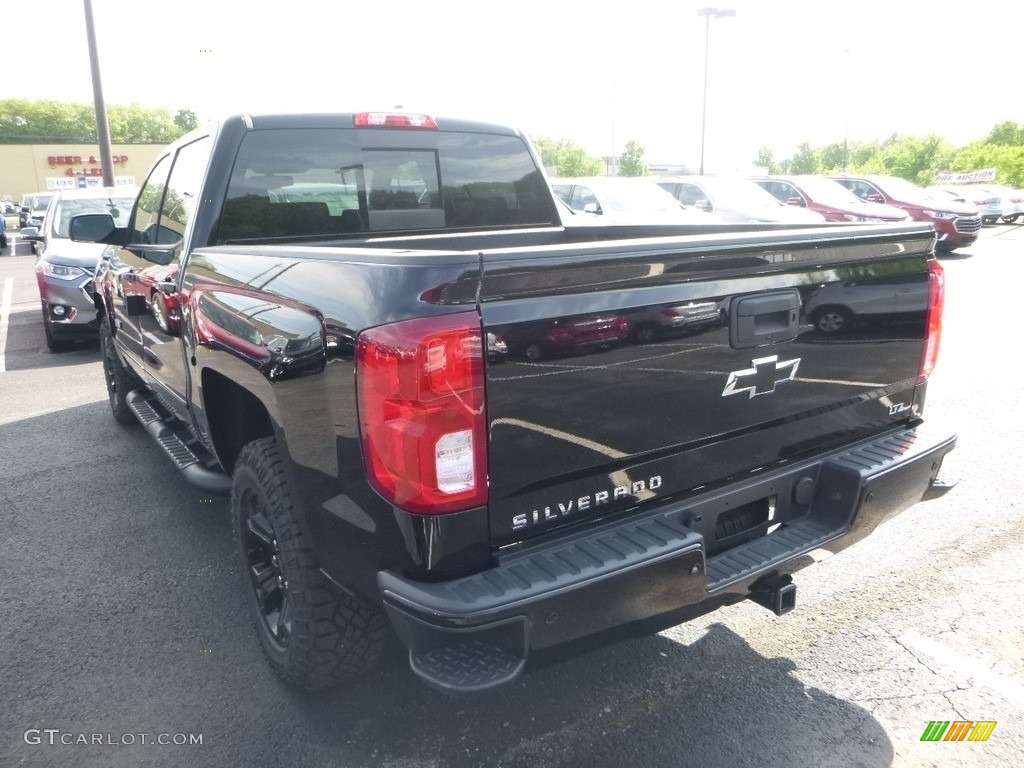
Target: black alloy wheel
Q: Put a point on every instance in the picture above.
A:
(313, 634)
(266, 574)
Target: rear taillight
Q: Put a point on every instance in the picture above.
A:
(420, 385)
(933, 327)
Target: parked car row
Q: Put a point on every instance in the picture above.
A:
(956, 214)
(65, 269)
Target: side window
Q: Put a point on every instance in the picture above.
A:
(786, 192)
(859, 188)
(582, 197)
(689, 194)
(871, 194)
(775, 189)
(562, 192)
(147, 209)
(183, 190)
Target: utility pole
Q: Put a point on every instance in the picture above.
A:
(707, 13)
(102, 126)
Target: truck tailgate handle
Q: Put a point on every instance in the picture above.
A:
(764, 318)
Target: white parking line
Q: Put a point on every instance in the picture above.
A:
(956, 662)
(567, 436)
(5, 311)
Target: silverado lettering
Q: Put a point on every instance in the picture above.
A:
(382, 336)
(622, 492)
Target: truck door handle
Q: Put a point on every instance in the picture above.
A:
(765, 318)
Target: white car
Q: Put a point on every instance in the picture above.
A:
(1012, 199)
(838, 307)
(734, 199)
(624, 200)
(988, 203)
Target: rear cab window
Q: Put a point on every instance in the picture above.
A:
(329, 183)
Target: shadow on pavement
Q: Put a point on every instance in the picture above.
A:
(716, 702)
(125, 614)
(26, 345)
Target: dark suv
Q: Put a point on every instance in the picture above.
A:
(957, 224)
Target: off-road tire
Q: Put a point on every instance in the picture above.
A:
(329, 636)
(120, 380)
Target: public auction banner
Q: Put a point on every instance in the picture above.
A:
(962, 177)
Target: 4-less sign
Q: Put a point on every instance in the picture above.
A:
(71, 161)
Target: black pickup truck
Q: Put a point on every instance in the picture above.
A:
(438, 406)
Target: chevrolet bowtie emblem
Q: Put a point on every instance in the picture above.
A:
(762, 377)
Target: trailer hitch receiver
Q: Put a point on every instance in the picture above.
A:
(775, 592)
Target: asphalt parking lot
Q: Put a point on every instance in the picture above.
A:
(123, 617)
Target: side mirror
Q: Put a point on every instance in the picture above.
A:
(591, 208)
(159, 254)
(703, 205)
(31, 234)
(874, 197)
(796, 200)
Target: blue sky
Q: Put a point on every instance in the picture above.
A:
(780, 71)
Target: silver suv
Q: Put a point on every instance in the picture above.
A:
(65, 268)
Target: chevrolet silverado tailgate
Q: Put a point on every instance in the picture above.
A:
(621, 372)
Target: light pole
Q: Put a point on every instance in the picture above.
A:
(102, 126)
(708, 13)
(846, 127)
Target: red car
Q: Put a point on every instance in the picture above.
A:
(568, 335)
(957, 224)
(831, 200)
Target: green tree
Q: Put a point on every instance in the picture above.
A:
(23, 121)
(1007, 160)
(834, 157)
(631, 163)
(805, 160)
(916, 158)
(186, 120)
(1008, 134)
(766, 159)
(866, 154)
(567, 158)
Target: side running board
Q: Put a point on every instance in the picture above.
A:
(200, 468)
